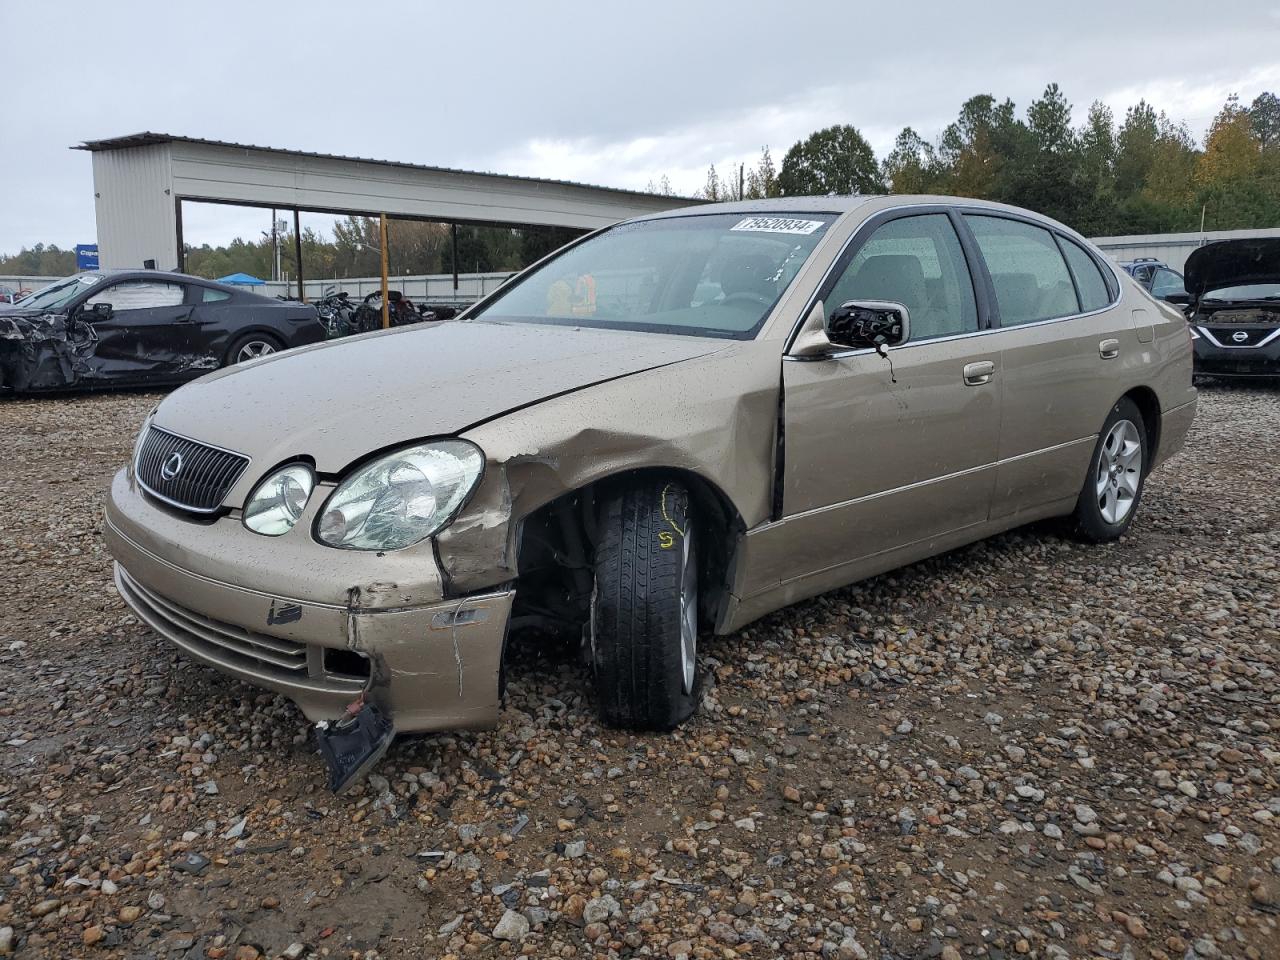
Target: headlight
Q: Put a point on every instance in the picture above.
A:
(278, 501)
(401, 498)
(1195, 334)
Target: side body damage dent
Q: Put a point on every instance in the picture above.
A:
(714, 419)
(53, 351)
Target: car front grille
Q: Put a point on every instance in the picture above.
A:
(1241, 336)
(246, 652)
(185, 473)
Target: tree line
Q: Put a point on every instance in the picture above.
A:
(1144, 174)
(413, 247)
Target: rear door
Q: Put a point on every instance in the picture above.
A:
(148, 334)
(884, 452)
(1062, 346)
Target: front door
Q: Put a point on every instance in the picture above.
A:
(148, 334)
(882, 452)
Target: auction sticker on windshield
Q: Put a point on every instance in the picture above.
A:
(778, 225)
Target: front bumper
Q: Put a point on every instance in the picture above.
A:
(315, 633)
(1214, 360)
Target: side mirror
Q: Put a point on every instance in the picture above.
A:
(101, 311)
(868, 324)
(1181, 299)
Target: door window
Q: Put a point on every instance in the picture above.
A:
(1090, 283)
(139, 295)
(1167, 283)
(211, 295)
(1027, 270)
(918, 262)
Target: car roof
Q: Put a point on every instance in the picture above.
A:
(116, 273)
(847, 204)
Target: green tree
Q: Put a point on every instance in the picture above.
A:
(1264, 116)
(1136, 147)
(912, 164)
(762, 179)
(1044, 172)
(715, 188)
(1232, 148)
(978, 146)
(661, 186)
(39, 261)
(836, 160)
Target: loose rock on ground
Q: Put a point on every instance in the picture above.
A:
(1028, 747)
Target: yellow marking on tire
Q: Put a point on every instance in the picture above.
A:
(666, 516)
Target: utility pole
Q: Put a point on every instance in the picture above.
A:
(741, 173)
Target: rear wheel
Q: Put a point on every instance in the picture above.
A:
(1117, 471)
(251, 346)
(643, 637)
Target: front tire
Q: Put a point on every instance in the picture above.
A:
(643, 632)
(1117, 473)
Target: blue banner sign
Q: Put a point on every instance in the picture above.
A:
(86, 256)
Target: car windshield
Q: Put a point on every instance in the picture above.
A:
(714, 275)
(1248, 291)
(58, 295)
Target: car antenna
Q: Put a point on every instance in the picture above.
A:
(880, 349)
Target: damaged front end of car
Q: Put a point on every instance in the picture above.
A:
(45, 351)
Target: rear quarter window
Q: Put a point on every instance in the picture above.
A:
(1090, 283)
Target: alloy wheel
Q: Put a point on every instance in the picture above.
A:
(1119, 471)
(254, 349)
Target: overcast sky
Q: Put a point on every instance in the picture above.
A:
(615, 94)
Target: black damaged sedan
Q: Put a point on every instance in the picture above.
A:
(1233, 307)
(141, 328)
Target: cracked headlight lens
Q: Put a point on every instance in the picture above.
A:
(402, 498)
(278, 501)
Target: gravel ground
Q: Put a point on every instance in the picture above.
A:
(1026, 747)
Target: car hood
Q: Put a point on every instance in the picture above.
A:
(18, 310)
(1230, 263)
(339, 401)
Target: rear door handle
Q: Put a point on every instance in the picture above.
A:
(1109, 349)
(976, 374)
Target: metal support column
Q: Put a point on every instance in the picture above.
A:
(297, 251)
(382, 243)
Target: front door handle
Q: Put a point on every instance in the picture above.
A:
(976, 374)
(1109, 349)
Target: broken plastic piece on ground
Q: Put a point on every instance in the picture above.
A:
(352, 745)
(192, 863)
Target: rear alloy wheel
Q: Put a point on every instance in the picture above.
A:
(1117, 471)
(644, 608)
(252, 347)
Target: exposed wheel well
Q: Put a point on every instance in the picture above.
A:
(1149, 406)
(557, 543)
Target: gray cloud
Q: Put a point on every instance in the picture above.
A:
(613, 94)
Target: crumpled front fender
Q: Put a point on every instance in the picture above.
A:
(715, 417)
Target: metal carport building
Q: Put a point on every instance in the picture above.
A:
(140, 182)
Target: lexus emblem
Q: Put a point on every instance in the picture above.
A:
(172, 466)
(1240, 336)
